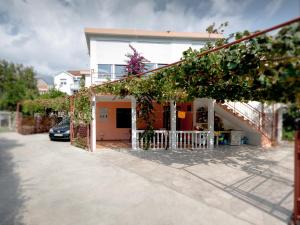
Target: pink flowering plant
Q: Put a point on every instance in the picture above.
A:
(135, 63)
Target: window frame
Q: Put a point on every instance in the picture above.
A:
(119, 75)
(104, 75)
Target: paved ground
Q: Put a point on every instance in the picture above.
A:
(44, 182)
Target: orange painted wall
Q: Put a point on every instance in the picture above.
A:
(158, 115)
(106, 130)
(187, 122)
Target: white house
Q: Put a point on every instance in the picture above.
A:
(69, 81)
(198, 124)
(108, 48)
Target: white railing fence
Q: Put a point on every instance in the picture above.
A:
(160, 140)
(192, 139)
(184, 139)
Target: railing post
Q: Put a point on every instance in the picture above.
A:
(173, 141)
(211, 111)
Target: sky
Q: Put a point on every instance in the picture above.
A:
(49, 34)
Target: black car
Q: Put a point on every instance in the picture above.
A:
(61, 131)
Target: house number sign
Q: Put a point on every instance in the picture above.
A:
(103, 114)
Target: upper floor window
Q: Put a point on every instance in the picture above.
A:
(63, 82)
(120, 71)
(104, 71)
(149, 66)
(161, 65)
(76, 81)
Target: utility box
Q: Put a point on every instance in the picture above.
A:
(236, 137)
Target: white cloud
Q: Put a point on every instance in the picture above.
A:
(49, 34)
(273, 6)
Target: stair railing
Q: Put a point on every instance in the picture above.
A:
(253, 115)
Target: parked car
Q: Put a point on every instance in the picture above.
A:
(61, 131)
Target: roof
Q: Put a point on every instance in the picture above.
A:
(195, 36)
(79, 72)
(42, 85)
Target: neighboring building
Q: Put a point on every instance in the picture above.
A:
(42, 86)
(69, 81)
(191, 125)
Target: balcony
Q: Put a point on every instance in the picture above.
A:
(75, 86)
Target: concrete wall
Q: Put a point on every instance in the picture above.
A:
(232, 122)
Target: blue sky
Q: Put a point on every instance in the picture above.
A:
(48, 35)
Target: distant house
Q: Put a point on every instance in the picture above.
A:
(42, 86)
(69, 81)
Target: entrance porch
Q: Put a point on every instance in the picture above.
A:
(177, 126)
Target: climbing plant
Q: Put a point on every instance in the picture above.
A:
(135, 62)
(46, 103)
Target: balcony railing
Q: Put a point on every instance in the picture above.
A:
(184, 139)
(75, 86)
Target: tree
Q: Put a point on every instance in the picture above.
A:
(52, 93)
(135, 63)
(16, 83)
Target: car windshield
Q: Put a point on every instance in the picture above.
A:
(65, 121)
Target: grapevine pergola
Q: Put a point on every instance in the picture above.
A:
(254, 66)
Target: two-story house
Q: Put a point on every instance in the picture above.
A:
(69, 81)
(202, 123)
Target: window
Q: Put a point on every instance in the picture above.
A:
(161, 65)
(123, 118)
(63, 82)
(120, 71)
(104, 71)
(149, 66)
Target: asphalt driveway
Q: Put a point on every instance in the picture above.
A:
(43, 182)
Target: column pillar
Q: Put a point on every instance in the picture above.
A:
(93, 124)
(173, 141)
(133, 124)
(211, 118)
(279, 124)
(195, 107)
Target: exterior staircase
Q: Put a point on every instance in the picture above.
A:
(254, 118)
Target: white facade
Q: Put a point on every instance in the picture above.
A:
(112, 51)
(67, 83)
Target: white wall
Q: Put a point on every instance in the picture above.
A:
(232, 122)
(113, 50)
(64, 88)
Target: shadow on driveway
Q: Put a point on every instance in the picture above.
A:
(258, 177)
(11, 198)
